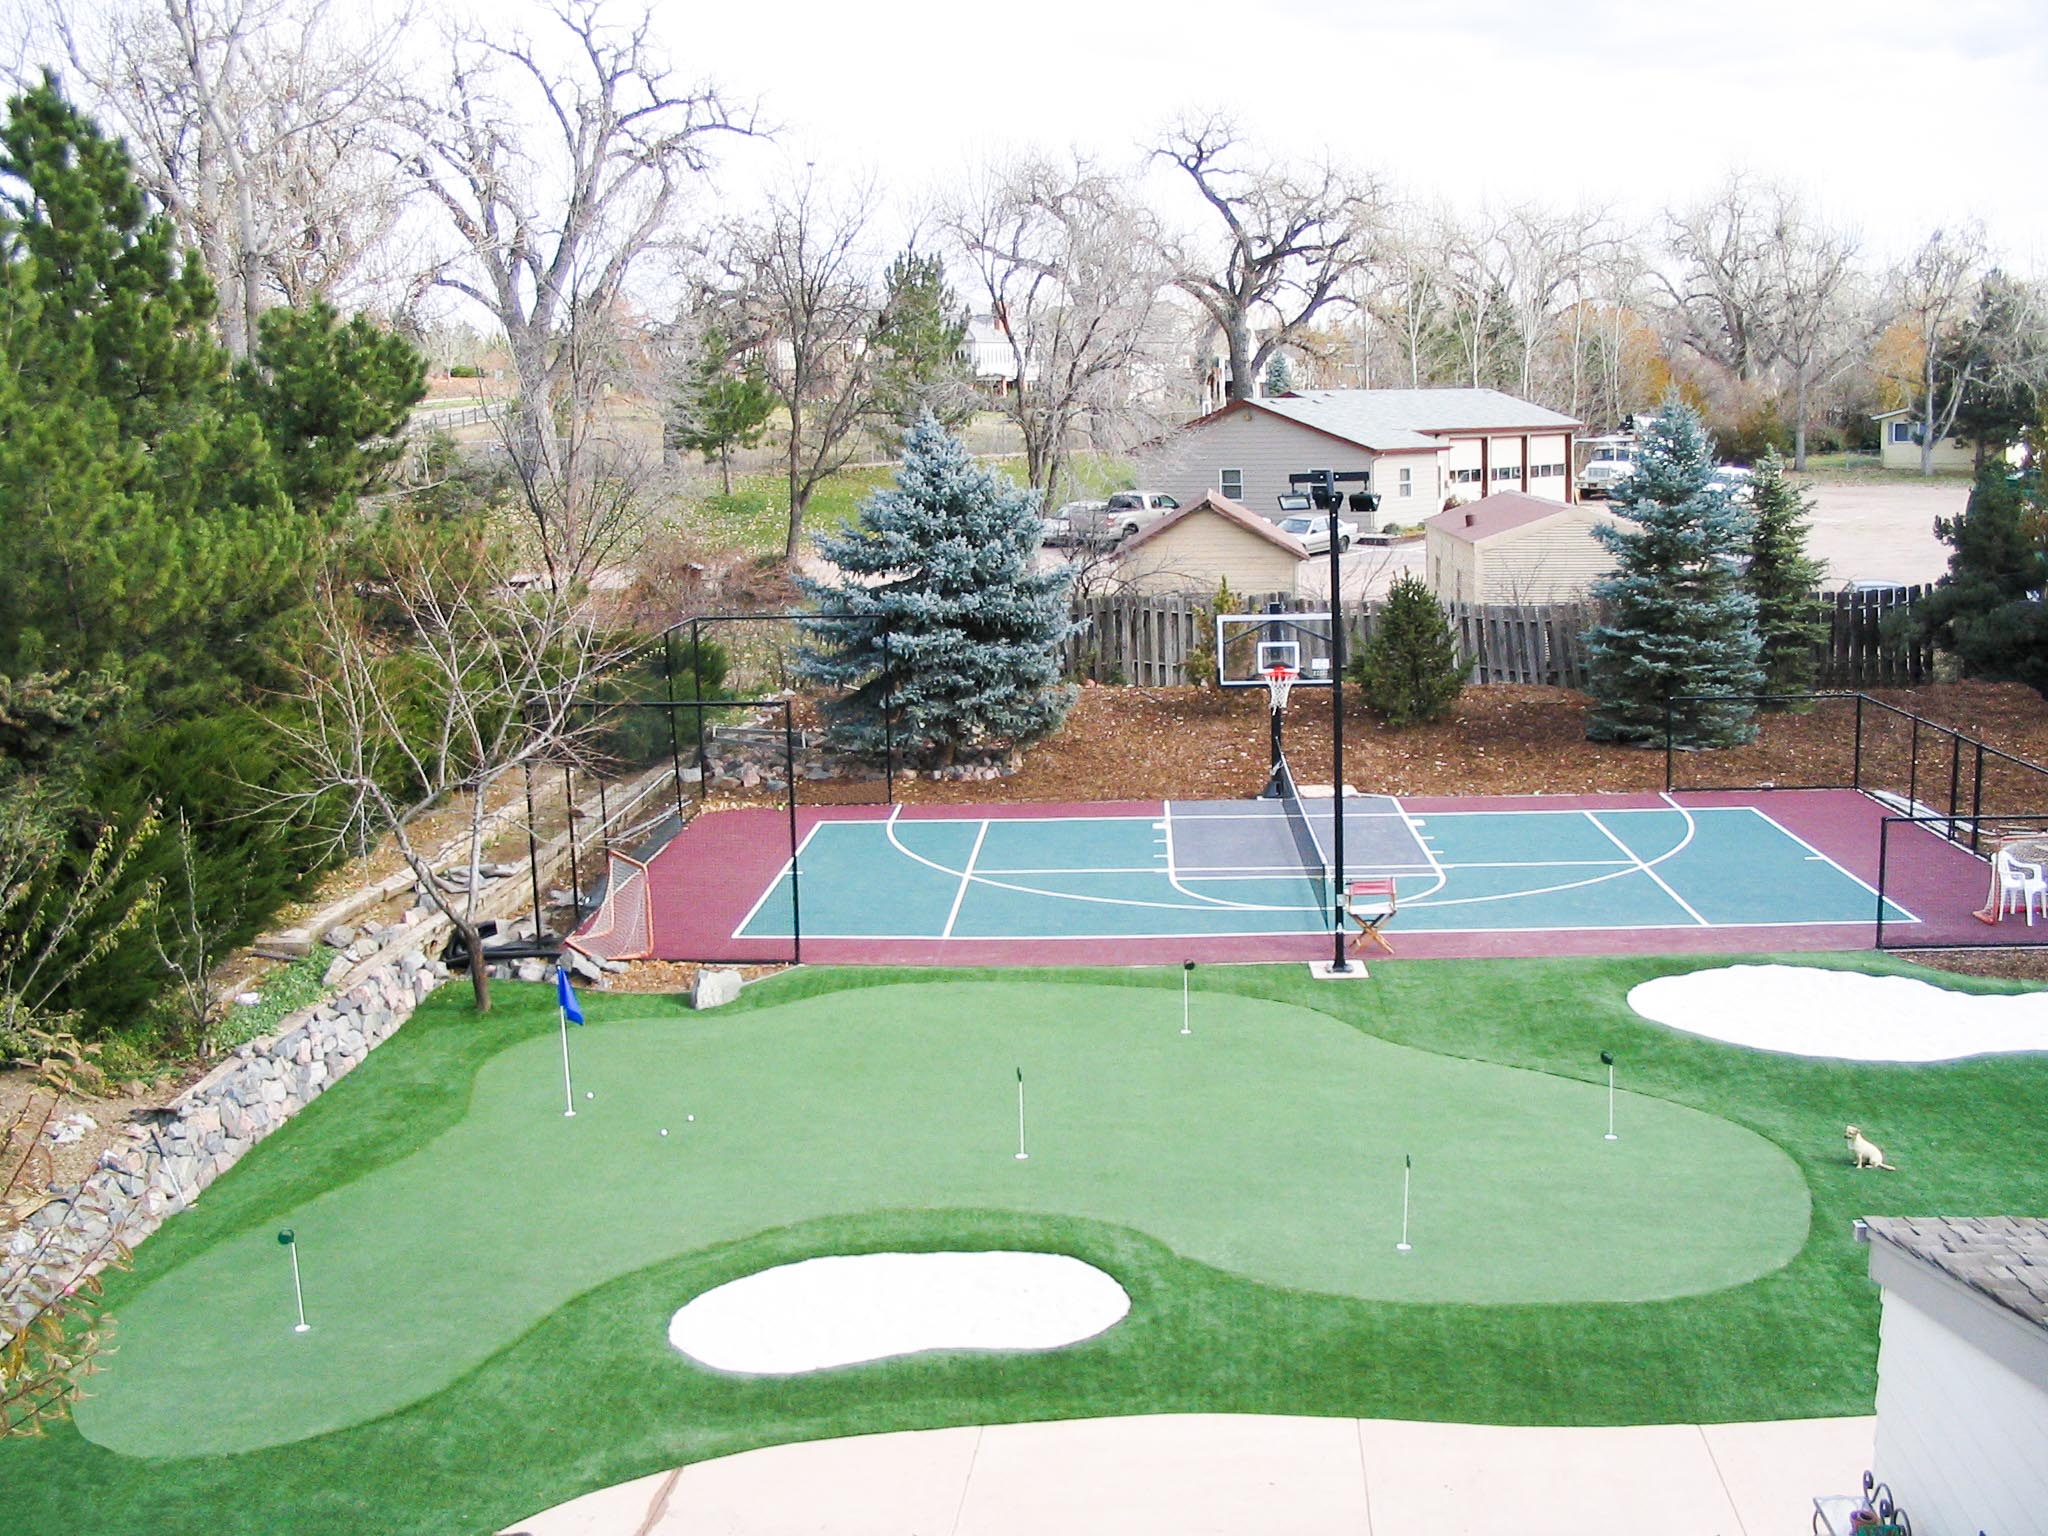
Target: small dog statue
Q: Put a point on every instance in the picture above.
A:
(1868, 1154)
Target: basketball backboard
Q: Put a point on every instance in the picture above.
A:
(1249, 644)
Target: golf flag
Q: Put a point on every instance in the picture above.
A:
(566, 996)
(1020, 1074)
(1407, 1160)
(1607, 1058)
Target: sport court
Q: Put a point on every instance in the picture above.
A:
(1251, 880)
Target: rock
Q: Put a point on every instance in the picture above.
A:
(291, 944)
(714, 988)
(582, 965)
(335, 971)
(338, 937)
(532, 970)
(499, 871)
(248, 999)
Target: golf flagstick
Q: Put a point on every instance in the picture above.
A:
(1607, 1060)
(1022, 1155)
(290, 1241)
(1187, 969)
(568, 1088)
(1407, 1168)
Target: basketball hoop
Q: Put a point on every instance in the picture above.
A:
(1279, 682)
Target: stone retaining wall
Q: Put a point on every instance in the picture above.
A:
(176, 1152)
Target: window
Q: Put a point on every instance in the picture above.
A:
(1465, 477)
(1231, 483)
(1506, 472)
(1902, 431)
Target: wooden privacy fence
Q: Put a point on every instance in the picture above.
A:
(1146, 639)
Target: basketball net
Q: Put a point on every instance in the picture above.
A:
(1279, 683)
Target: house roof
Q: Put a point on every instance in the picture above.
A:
(1502, 512)
(1231, 512)
(2002, 1258)
(1387, 420)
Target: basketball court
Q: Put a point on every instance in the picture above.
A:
(1159, 881)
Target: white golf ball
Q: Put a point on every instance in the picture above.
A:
(689, 1117)
(664, 1130)
(590, 1095)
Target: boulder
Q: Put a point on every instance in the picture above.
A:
(585, 968)
(335, 971)
(338, 937)
(714, 988)
(532, 970)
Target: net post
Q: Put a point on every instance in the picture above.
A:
(796, 908)
(569, 815)
(1913, 765)
(1884, 845)
(1955, 781)
(888, 722)
(1669, 726)
(697, 673)
(1856, 762)
(532, 848)
(668, 677)
(1977, 801)
(1338, 964)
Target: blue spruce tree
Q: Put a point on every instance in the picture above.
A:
(941, 619)
(1677, 620)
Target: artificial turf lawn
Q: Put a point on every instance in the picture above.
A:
(589, 1397)
(1268, 1143)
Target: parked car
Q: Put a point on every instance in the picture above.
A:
(1073, 523)
(1613, 461)
(1739, 483)
(1313, 529)
(1131, 510)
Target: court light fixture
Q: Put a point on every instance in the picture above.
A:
(1295, 501)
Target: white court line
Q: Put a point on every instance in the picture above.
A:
(780, 875)
(966, 879)
(1691, 827)
(1317, 933)
(1786, 831)
(1173, 877)
(1662, 883)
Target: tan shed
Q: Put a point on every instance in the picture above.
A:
(1208, 541)
(1515, 548)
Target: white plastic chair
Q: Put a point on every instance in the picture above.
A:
(2020, 885)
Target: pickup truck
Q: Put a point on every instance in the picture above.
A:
(1106, 522)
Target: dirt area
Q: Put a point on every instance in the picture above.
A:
(1883, 531)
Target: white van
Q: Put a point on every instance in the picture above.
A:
(1612, 461)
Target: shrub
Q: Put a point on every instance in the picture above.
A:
(1410, 670)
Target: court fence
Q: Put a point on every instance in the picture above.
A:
(1150, 638)
(1967, 792)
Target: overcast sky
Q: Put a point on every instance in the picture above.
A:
(1898, 114)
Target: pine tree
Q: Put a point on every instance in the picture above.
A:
(1410, 670)
(724, 404)
(1782, 578)
(1677, 620)
(1279, 375)
(918, 338)
(1988, 610)
(970, 631)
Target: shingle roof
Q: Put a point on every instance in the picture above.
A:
(1386, 419)
(1229, 511)
(2003, 1258)
(1503, 510)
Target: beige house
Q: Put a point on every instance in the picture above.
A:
(1207, 541)
(1962, 1370)
(1515, 548)
(1422, 447)
(1898, 444)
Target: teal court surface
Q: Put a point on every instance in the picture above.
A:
(1257, 879)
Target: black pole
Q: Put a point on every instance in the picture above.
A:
(532, 851)
(796, 907)
(1884, 843)
(1338, 964)
(697, 671)
(1913, 766)
(569, 815)
(888, 723)
(675, 751)
(1955, 781)
(1668, 759)
(1977, 802)
(1856, 767)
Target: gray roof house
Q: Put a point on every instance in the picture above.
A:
(1425, 448)
(1962, 1370)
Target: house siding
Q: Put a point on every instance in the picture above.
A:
(1269, 448)
(1554, 560)
(1203, 550)
(1949, 453)
(1959, 1434)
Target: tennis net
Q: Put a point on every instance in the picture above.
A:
(1314, 864)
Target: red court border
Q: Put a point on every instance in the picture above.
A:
(708, 878)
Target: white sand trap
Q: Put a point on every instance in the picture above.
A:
(1804, 1011)
(843, 1310)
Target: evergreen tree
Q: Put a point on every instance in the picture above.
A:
(1677, 620)
(971, 632)
(1279, 375)
(1782, 577)
(1410, 670)
(1988, 609)
(918, 336)
(724, 404)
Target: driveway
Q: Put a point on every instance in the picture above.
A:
(1883, 532)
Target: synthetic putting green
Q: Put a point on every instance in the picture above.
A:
(1268, 1144)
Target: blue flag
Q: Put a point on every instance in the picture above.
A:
(566, 996)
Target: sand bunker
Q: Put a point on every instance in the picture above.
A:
(843, 1310)
(1803, 1011)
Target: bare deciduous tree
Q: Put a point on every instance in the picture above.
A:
(1066, 263)
(264, 128)
(1932, 293)
(806, 285)
(423, 689)
(1723, 292)
(1292, 237)
(1819, 328)
(558, 181)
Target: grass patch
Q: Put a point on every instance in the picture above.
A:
(1868, 469)
(286, 990)
(586, 1398)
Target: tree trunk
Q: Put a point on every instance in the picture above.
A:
(797, 499)
(725, 467)
(1799, 424)
(1927, 417)
(1243, 385)
(479, 967)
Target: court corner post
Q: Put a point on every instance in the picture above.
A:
(1339, 965)
(796, 907)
